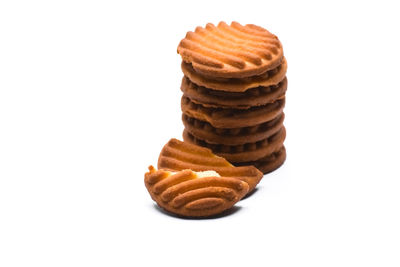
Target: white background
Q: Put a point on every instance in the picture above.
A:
(89, 94)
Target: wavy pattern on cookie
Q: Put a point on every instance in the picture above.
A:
(232, 136)
(242, 153)
(268, 78)
(232, 118)
(268, 163)
(177, 155)
(219, 99)
(231, 51)
(185, 193)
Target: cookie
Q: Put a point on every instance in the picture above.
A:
(231, 51)
(268, 78)
(268, 163)
(232, 136)
(232, 118)
(242, 153)
(194, 194)
(177, 155)
(220, 99)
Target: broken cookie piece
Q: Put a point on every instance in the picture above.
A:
(194, 194)
(177, 155)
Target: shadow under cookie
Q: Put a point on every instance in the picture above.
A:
(223, 214)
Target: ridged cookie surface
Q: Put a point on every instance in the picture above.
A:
(177, 155)
(190, 194)
(232, 136)
(232, 118)
(231, 51)
(268, 78)
(268, 163)
(243, 153)
(257, 96)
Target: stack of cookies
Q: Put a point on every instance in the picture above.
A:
(234, 89)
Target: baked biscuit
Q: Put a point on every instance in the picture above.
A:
(231, 51)
(242, 153)
(194, 194)
(232, 118)
(268, 78)
(268, 163)
(177, 155)
(232, 136)
(220, 99)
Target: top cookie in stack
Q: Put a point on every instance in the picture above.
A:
(234, 89)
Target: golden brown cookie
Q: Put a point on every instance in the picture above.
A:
(232, 118)
(194, 194)
(219, 99)
(268, 78)
(177, 155)
(242, 153)
(268, 163)
(232, 136)
(231, 51)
